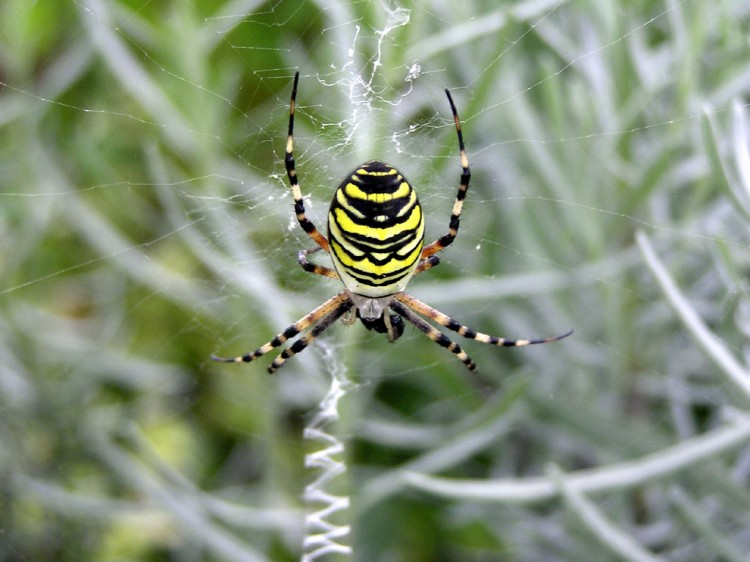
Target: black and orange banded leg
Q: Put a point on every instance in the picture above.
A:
(445, 320)
(291, 172)
(429, 263)
(305, 340)
(314, 267)
(432, 333)
(447, 239)
(333, 308)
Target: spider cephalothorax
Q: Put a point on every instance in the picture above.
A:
(376, 242)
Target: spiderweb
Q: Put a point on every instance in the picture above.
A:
(146, 223)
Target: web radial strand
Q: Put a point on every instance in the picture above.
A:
(327, 524)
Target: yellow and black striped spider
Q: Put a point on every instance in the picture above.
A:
(376, 242)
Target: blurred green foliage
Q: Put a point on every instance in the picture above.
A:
(145, 223)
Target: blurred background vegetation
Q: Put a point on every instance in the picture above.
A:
(145, 223)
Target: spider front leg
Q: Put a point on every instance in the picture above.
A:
(304, 341)
(291, 171)
(320, 318)
(447, 239)
(432, 333)
(453, 325)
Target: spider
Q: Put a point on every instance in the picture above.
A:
(376, 242)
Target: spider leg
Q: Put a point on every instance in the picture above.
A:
(313, 267)
(291, 171)
(445, 320)
(426, 264)
(448, 238)
(318, 329)
(337, 304)
(434, 334)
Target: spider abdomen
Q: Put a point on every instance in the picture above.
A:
(375, 230)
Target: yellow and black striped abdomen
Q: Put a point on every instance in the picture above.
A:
(375, 230)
